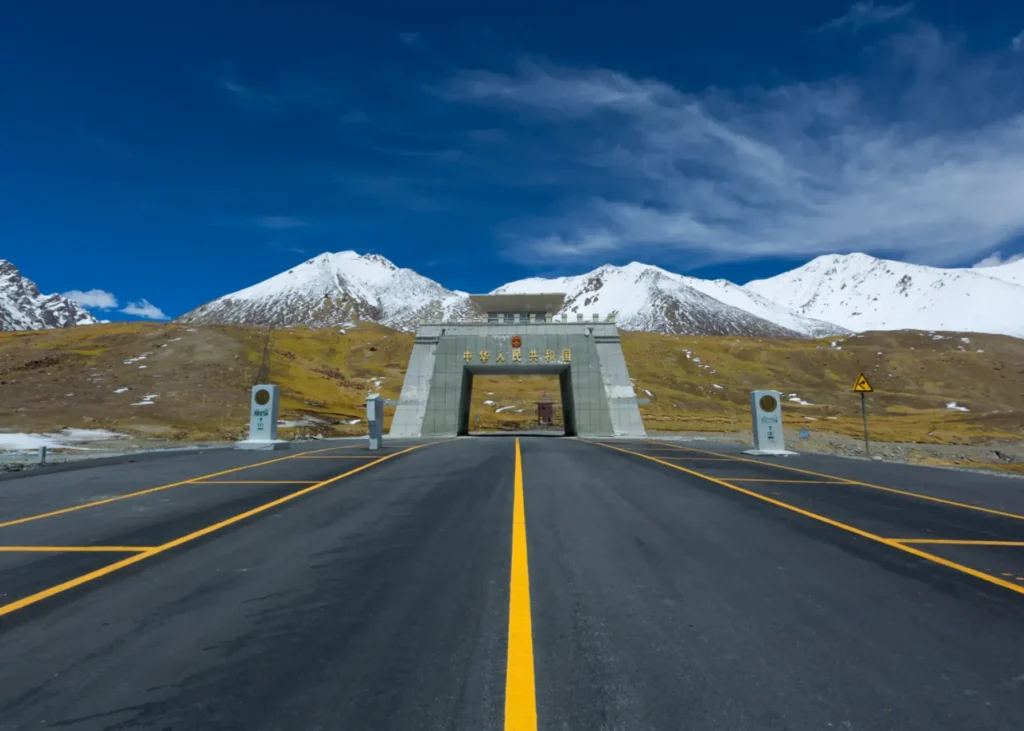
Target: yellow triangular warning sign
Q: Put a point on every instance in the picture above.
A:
(862, 385)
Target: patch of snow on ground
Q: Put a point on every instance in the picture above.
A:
(66, 439)
(503, 408)
(953, 405)
(965, 340)
(810, 418)
(715, 385)
(350, 422)
(147, 400)
(304, 421)
(488, 403)
(797, 400)
(832, 418)
(121, 390)
(142, 366)
(696, 360)
(137, 358)
(649, 394)
(980, 350)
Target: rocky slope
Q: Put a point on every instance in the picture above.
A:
(24, 307)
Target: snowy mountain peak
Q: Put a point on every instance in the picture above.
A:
(336, 289)
(861, 292)
(24, 307)
(646, 297)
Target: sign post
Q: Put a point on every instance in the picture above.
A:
(862, 387)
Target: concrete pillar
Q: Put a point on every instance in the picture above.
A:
(579, 317)
(375, 420)
(263, 410)
(766, 417)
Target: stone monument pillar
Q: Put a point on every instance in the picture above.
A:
(766, 414)
(263, 420)
(375, 420)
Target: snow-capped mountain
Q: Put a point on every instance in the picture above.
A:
(336, 289)
(24, 307)
(1012, 272)
(860, 292)
(652, 299)
(830, 295)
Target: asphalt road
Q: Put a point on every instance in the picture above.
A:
(667, 589)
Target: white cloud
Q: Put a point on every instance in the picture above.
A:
(279, 223)
(1018, 42)
(409, 39)
(996, 259)
(96, 299)
(921, 159)
(864, 14)
(144, 308)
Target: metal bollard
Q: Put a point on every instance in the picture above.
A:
(42, 455)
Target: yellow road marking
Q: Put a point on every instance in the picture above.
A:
(845, 481)
(701, 459)
(123, 563)
(520, 688)
(253, 482)
(835, 523)
(787, 482)
(75, 549)
(337, 456)
(148, 491)
(951, 542)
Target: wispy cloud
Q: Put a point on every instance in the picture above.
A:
(146, 309)
(279, 94)
(922, 159)
(410, 39)
(1018, 42)
(96, 299)
(280, 223)
(996, 259)
(864, 14)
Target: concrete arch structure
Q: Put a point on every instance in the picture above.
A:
(597, 395)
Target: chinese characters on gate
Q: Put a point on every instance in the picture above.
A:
(533, 356)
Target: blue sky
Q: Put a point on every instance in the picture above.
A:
(166, 153)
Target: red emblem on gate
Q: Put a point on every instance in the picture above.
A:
(517, 342)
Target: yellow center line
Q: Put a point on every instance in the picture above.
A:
(835, 523)
(151, 490)
(954, 542)
(845, 481)
(75, 549)
(123, 563)
(520, 687)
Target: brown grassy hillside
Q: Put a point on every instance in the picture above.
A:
(200, 377)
